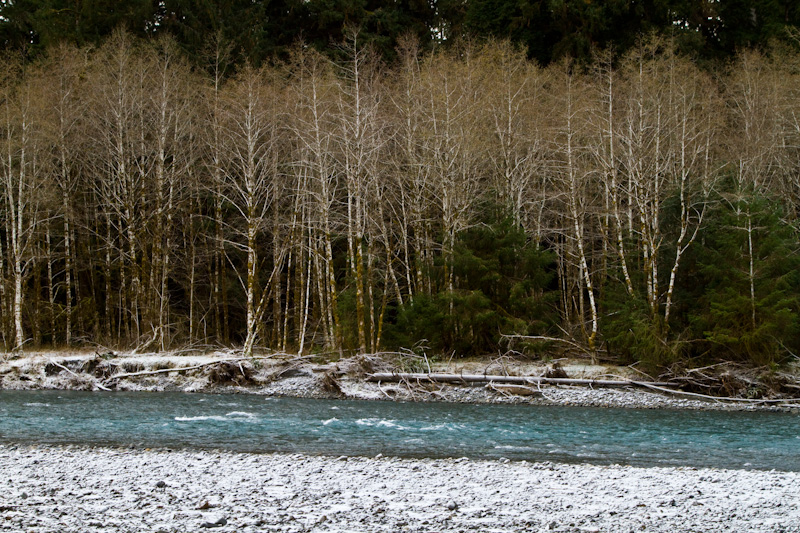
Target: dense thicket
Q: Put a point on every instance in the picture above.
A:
(466, 200)
(263, 30)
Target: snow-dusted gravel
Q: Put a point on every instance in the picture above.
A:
(287, 377)
(75, 489)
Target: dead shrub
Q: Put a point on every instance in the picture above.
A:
(330, 384)
(227, 372)
(556, 371)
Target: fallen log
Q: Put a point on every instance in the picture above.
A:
(519, 380)
(513, 390)
(116, 377)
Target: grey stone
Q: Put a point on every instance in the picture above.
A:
(214, 521)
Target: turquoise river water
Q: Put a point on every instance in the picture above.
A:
(249, 423)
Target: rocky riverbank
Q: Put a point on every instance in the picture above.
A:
(76, 489)
(81, 489)
(286, 375)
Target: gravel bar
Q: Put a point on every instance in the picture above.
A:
(79, 489)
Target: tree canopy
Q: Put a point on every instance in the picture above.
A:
(263, 30)
(342, 175)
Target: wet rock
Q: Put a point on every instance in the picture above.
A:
(161, 484)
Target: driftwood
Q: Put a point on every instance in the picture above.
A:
(519, 380)
(787, 401)
(115, 377)
(732, 380)
(59, 365)
(514, 390)
(235, 360)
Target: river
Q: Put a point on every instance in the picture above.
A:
(250, 423)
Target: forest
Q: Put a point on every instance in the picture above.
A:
(462, 199)
(259, 31)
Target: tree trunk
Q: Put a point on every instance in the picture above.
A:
(67, 269)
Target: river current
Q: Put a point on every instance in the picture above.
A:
(250, 423)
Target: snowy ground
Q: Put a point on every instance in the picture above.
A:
(290, 376)
(74, 489)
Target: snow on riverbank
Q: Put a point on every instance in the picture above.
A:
(75, 489)
(283, 375)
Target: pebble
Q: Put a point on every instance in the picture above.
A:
(278, 492)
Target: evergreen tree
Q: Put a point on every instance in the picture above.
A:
(35, 25)
(553, 29)
(749, 271)
(503, 288)
(379, 24)
(253, 30)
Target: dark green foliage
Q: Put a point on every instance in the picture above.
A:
(259, 30)
(346, 301)
(265, 30)
(35, 25)
(421, 322)
(252, 30)
(715, 318)
(499, 262)
(379, 24)
(502, 287)
(740, 24)
(552, 29)
(764, 327)
(633, 334)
